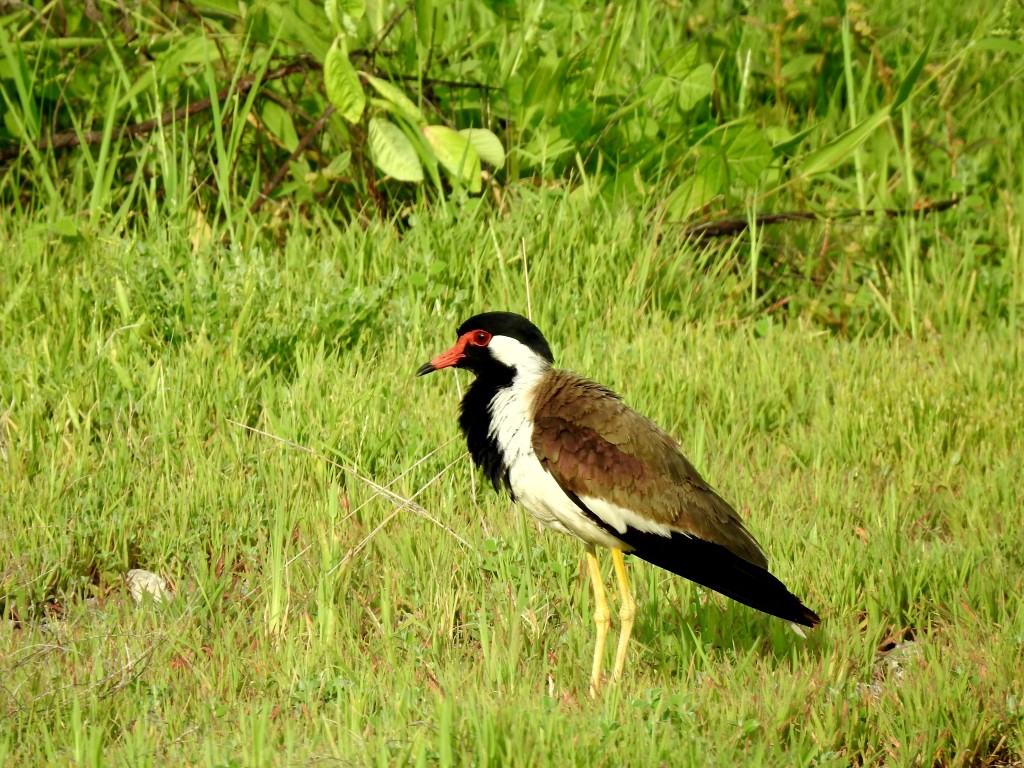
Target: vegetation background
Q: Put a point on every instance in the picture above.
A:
(789, 231)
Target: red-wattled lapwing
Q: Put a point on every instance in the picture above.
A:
(584, 463)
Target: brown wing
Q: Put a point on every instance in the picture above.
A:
(596, 446)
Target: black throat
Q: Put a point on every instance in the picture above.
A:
(475, 422)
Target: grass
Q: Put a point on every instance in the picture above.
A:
(316, 620)
(219, 397)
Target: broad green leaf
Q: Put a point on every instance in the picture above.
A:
(696, 86)
(678, 64)
(339, 166)
(456, 154)
(353, 8)
(300, 22)
(833, 153)
(641, 129)
(392, 152)
(333, 15)
(342, 83)
(278, 121)
(746, 151)
(706, 183)
(395, 96)
(487, 145)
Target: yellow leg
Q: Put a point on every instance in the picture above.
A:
(627, 612)
(602, 618)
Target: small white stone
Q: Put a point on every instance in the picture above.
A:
(142, 582)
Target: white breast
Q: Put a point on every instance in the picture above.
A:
(533, 486)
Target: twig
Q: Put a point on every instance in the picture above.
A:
(432, 81)
(723, 227)
(272, 184)
(71, 139)
(409, 469)
(127, 672)
(359, 547)
(394, 498)
(388, 28)
(380, 527)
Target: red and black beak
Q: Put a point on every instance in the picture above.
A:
(446, 359)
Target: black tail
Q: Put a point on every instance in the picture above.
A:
(715, 567)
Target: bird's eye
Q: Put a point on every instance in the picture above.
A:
(480, 338)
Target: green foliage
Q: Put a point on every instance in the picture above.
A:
(342, 83)
(392, 151)
(646, 100)
(314, 618)
(234, 118)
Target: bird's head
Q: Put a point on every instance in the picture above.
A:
(498, 344)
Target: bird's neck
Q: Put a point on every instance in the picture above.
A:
(496, 420)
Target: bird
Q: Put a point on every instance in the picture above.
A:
(584, 463)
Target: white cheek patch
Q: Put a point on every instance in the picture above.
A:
(513, 353)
